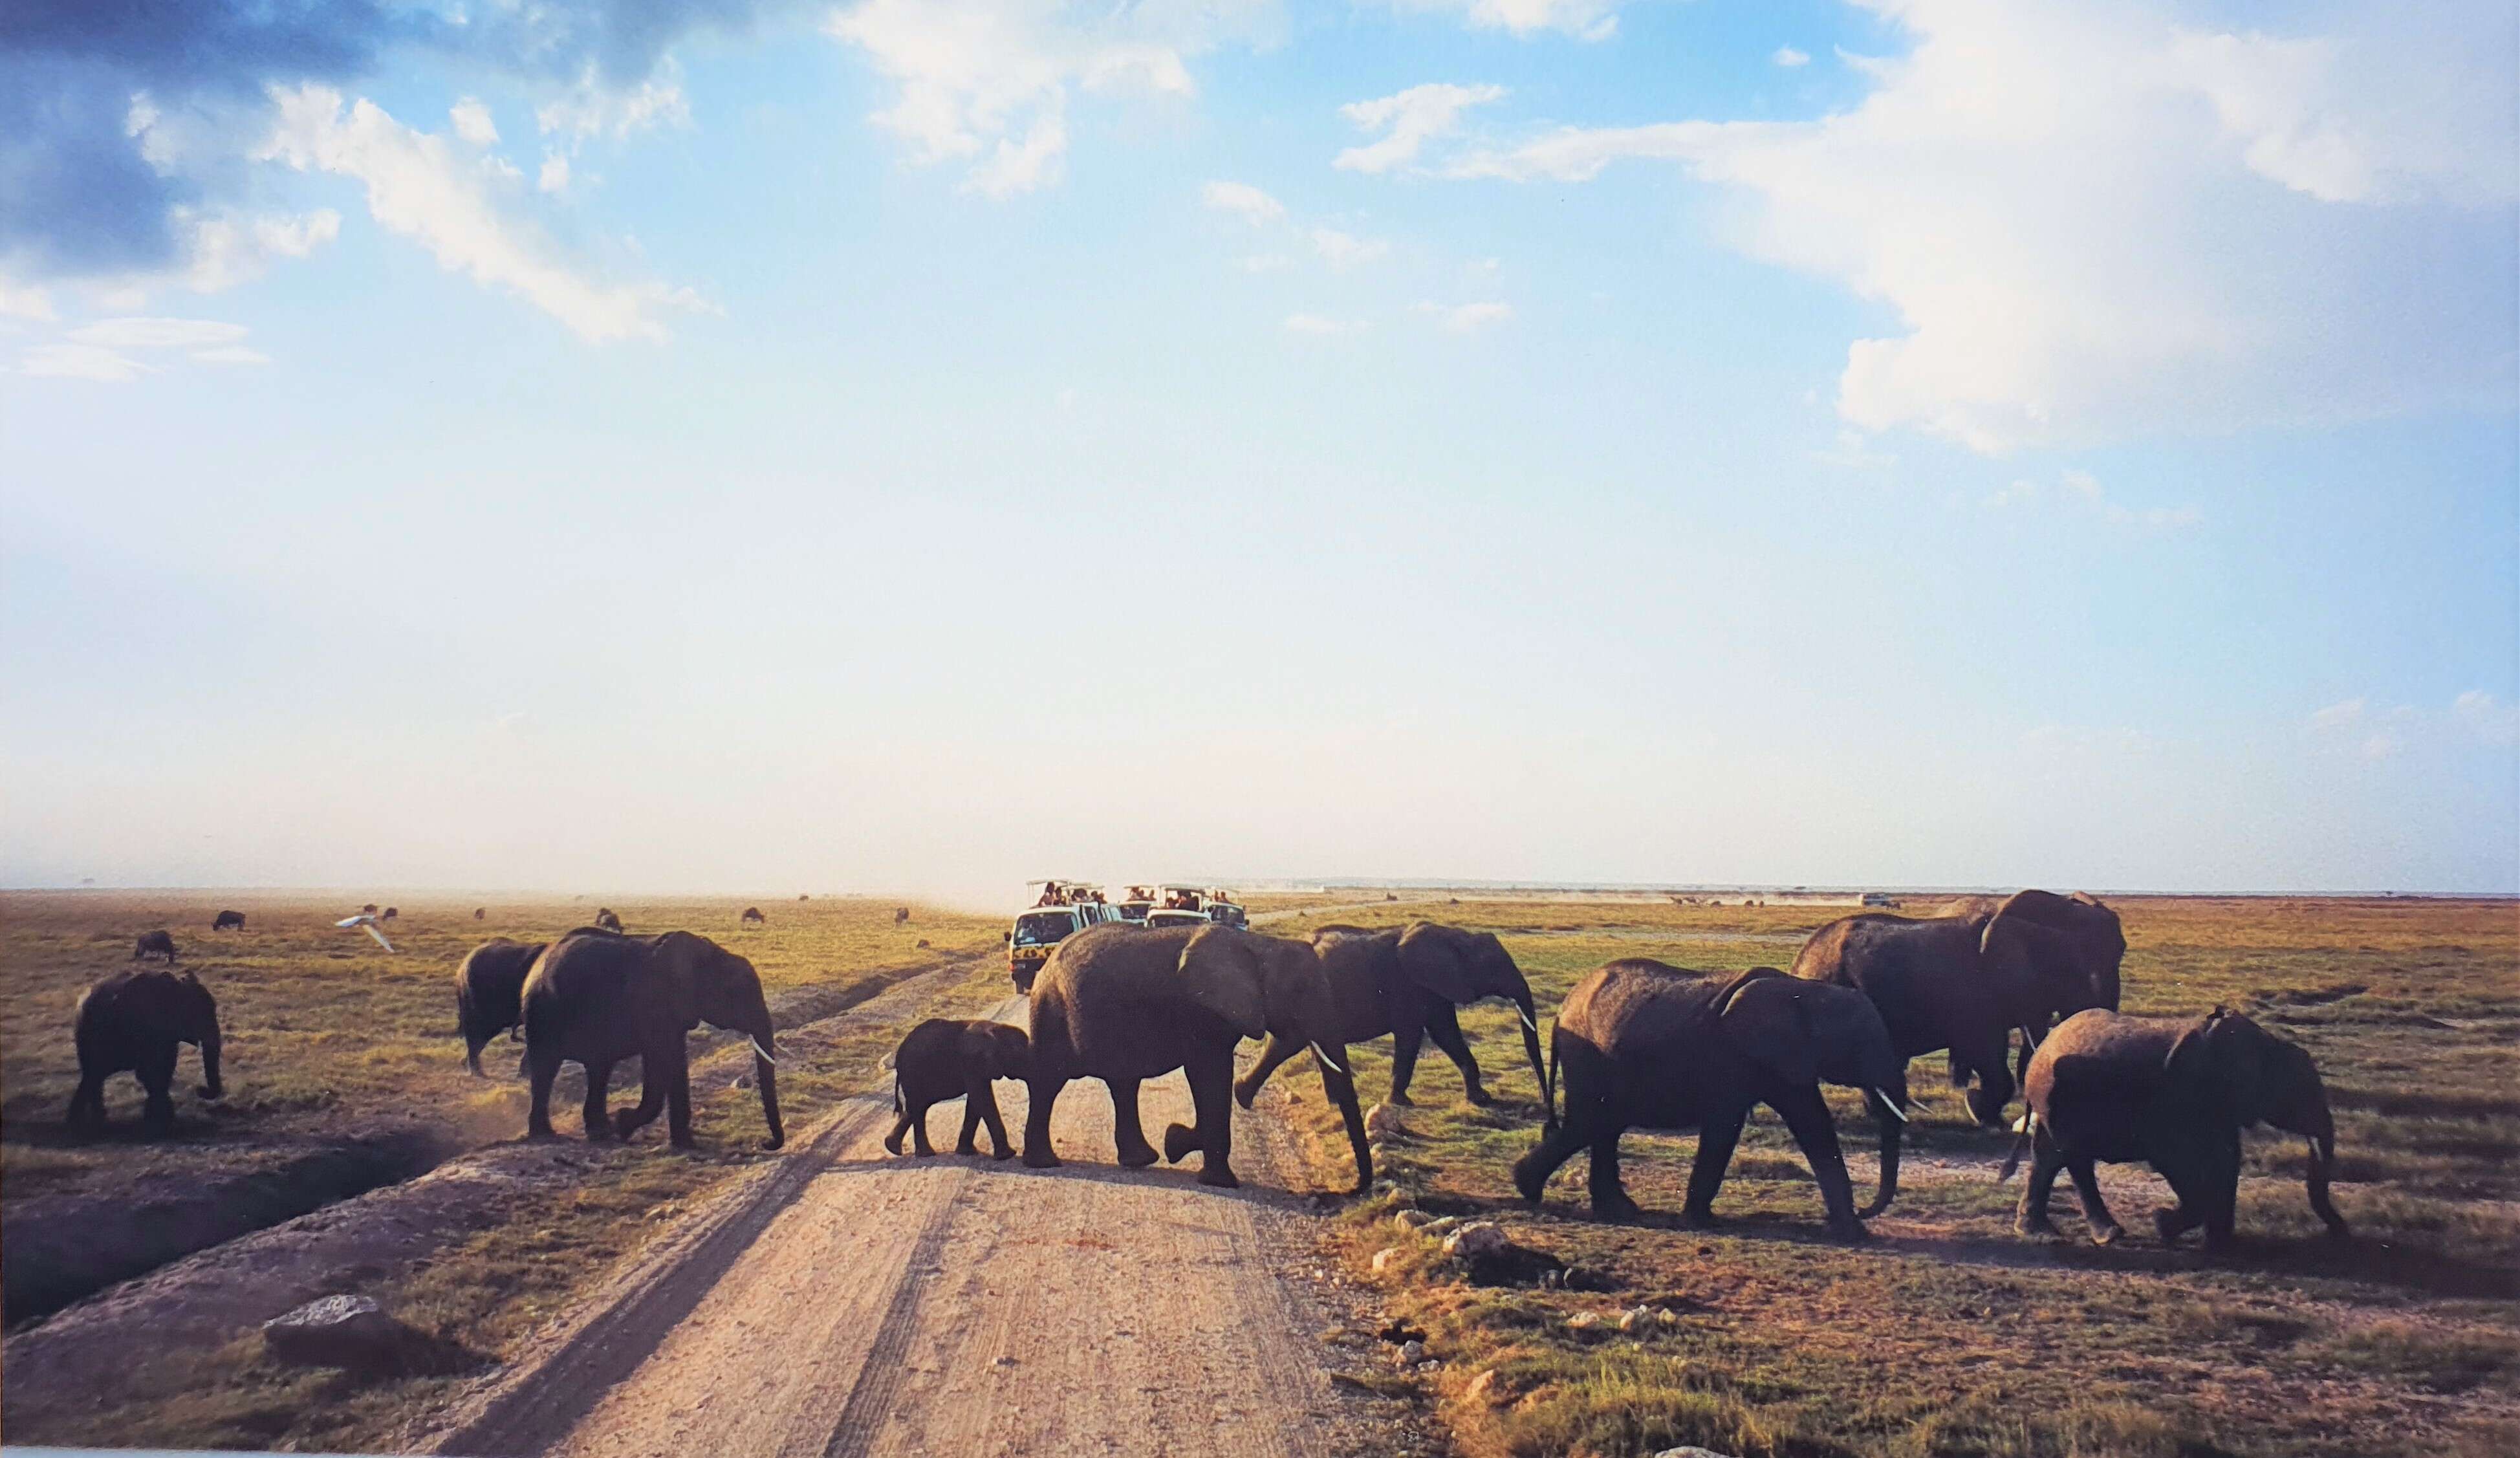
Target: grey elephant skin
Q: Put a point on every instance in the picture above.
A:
(1405, 983)
(490, 993)
(1125, 1004)
(135, 1021)
(2174, 1094)
(951, 1058)
(1647, 1045)
(1964, 980)
(597, 998)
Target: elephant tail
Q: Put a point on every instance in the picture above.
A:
(1549, 1085)
(2023, 1133)
(898, 1105)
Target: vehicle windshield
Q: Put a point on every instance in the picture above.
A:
(1175, 918)
(1043, 928)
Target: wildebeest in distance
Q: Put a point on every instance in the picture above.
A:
(153, 944)
(228, 920)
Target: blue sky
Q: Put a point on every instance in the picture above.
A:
(918, 447)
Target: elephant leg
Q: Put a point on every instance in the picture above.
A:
(473, 1047)
(1716, 1138)
(598, 1084)
(1340, 1083)
(1403, 1059)
(968, 1142)
(918, 1144)
(985, 1099)
(1806, 1115)
(157, 1075)
(1211, 1097)
(1531, 1173)
(1611, 1200)
(87, 1100)
(1041, 1092)
(1444, 1026)
(540, 1069)
(651, 1101)
(2095, 1211)
(2207, 1183)
(2030, 1217)
(902, 1120)
(1273, 1052)
(672, 1065)
(1128, 1136)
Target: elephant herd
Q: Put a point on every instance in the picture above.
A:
(1634, 1044)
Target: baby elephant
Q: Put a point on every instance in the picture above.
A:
(133, 1022)
(944, 1058)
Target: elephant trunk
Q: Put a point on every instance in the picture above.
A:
(765, 1072)
(1893, 1128)
(2323, 1163)
(212, 1087)
(1538, 1066)
(1340, 1084)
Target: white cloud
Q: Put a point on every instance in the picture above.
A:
(2491, 720)
(989, 80)
(82, 362)
(1412, 118)
(1585, 19)
(158, 334)
(229, 249)
(472, 121)
(554, 177)
(1854, 452)
(1245, 201)
(1316, 324)
(23, 301)
(2095, 224)
(1343, 251)
(2080, 490)
(231, 354)
(2474, 718)
(419, 187)
(2340, 715)
(1466, 318)
(1788, 56)
(592, 109)
(1265, 263)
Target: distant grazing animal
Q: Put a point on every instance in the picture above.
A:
(2176, 1095)
(153, 944)
(229, 921)
(1966, 979)
(388, 914)
(804, 898)
(1650, 1046)
(948, 1057)
(753, 916)
(368, 910)
(900, 914)
(479, 912)
(605, 918)
(597, 999)
(489, 994)
(133, 1022)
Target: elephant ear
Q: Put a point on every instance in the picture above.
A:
(1221, 972)
(1014, 1050)
(1765, 1018)
(2040, 955)
(675, 959)
(1430, 956)
(2222, 1057)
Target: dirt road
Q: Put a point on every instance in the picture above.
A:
(890, 1305)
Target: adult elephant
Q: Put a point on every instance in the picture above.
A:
(1406, 983)
(2174, 1094)
(1125, 1004)
(136, 1021)
(599, 998)
(1963, 981)
(1647, 1045)
(490, 993)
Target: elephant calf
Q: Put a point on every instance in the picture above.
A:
(947, 1058)
(1647, 1045)
(2176, 1095)
(132, 1022)
(489, 994)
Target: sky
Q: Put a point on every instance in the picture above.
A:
(915, 445)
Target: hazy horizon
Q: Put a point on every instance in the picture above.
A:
(923, 447)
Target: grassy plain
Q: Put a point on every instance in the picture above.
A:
(1947, 1334)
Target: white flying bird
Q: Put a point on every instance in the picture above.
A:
(363, 919)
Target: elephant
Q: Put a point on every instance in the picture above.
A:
(600, 998)
(1125, 1004)
(153, 944)
(753, 916)
(1647, 1045)
(1406, 982)
(228, 920)
(900, 914)
(1961, 982)
(388, 914)
(2174, 1094)
(132, 1022)
(605, 918)
(948, 1057)
(368, 910)
(489, 994)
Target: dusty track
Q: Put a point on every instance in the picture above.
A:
(858, 1304)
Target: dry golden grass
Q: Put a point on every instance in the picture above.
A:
(1947, 1334)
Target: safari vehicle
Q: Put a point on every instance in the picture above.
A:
(1879, 898)
(1223, 910)
(1060, 910)
(1175, 917)
(1132, 907)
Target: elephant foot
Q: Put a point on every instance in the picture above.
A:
(1478, 1096)
(1528, 1182)
(2221, 1243)
(1043, 1159)
(2037, 1228)
(2167, 1224)
(2107, 1233)
(1617, 1208)
(1138, 1158)
(770, 1143)
(1872, 1209)
(1221, 1175)
(1850, 1230)
(1697, 1217)
(967, 1147)
(543, 1135)
(624, 1124)
(1002, 1153)
(893, 1141)
(1179, 1141)
(1245, 1093)
(1400, 1096)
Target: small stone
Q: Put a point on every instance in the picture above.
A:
(1666, 1317)
(1478, 1238)
(1441, 1225)
(1483, 1389)
(1691, 1453)
(1431, 1365)
(1583, 1321)
(1412, 1219)
(1384, 1258)
(1412, 1352)
(742, 1081)
(1634, 1317)
(354, 1332)
(1381, 1121)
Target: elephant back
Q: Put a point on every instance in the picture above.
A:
(2101, 1057)
(1643, 1003)
(1107, 981)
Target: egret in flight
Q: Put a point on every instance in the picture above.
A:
(363, 919)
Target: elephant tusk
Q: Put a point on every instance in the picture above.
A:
(1890, 1106)
(1328, 1061)
(762, 1053)
(1529, 1021)
(2021, 1125)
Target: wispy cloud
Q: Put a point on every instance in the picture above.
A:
(1466, 318)
(1408, 122)
(2080, 490)
(1344, 250)
(1323, 326)
(1788, 56)
(82, 362)
(1585, 19)
(1244, 201)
